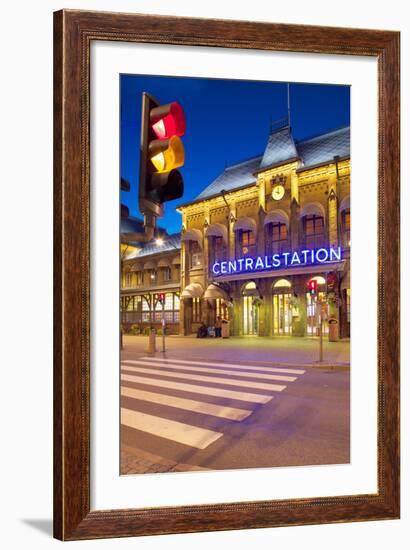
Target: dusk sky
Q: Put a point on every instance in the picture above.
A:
(228, 121)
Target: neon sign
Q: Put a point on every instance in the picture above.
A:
(278, 261)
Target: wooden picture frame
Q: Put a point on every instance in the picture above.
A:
(74, 32)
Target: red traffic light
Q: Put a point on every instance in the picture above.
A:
(161, 298)
(312, 285)
(168, 120)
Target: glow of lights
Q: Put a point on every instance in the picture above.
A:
(168, 120)
(158, 161)
(159, 241)
(168, 154)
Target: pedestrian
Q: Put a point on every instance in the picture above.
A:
(218, 327)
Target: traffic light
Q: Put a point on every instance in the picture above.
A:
(161, 298)
(312, 286)
(162, 152)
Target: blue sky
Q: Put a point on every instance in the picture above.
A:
(227, 121)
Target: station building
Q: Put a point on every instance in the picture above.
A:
(251, 243)
(147, 271)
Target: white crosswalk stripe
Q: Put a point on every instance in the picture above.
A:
(193, 388)
(194, 368)
(212, 379)
(232, 413)
(284, 370)
(194, 377)
(169, 429)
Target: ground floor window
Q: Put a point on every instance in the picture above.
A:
(250, 315)
(282, 314)
(222, 310)
(313, 304)
(196, 310)
(147, 308)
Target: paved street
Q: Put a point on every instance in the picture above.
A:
(198, 407)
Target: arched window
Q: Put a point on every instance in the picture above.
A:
(313, 230)
(247, 242)
(276, 238)
(245, 233)
(282, 283)
(217, 235)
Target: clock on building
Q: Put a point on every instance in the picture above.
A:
(278, 192)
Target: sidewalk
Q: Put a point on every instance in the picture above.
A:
(286, 351)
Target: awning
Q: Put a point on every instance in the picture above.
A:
(215, 291)
(312, 208)
(193, 235)
(194, 290)
(136, 267)
(150, 265)
(218, 230)
(277, 216)
(245, 223)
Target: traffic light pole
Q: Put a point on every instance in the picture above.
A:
(321, 337)
(163, 327)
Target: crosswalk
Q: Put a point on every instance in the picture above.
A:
(187, 394)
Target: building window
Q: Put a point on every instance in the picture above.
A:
(218, 248)
(313, 228)
(196, 310)
(140, 277)
(152, 276)
(167, 273)
(346, 227)
(277, 241)
(195, 254)
(247, 243)
(128, 279)
(222, 310)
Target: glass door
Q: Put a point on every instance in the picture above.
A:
(282, 315)
(250, 316)
(312, 314)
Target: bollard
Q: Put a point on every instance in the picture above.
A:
(152, 342)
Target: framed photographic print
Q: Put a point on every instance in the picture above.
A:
(226, 275)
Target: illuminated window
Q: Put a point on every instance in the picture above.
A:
(250, 286)
(247, 243)
(313, 227)
(277, 238)
(218, 248)
(346, 227)
(169, 301)
(128, 279)
(221, 309)
(196, 310)
(195, 254)
(152, 276)
(282, 283)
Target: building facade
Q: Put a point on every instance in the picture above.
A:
(251, 244)
(145, 274)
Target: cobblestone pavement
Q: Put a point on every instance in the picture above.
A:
(137, 461)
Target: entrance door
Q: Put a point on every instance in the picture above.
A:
(313, 315)
(250, 316)
(282, 315)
